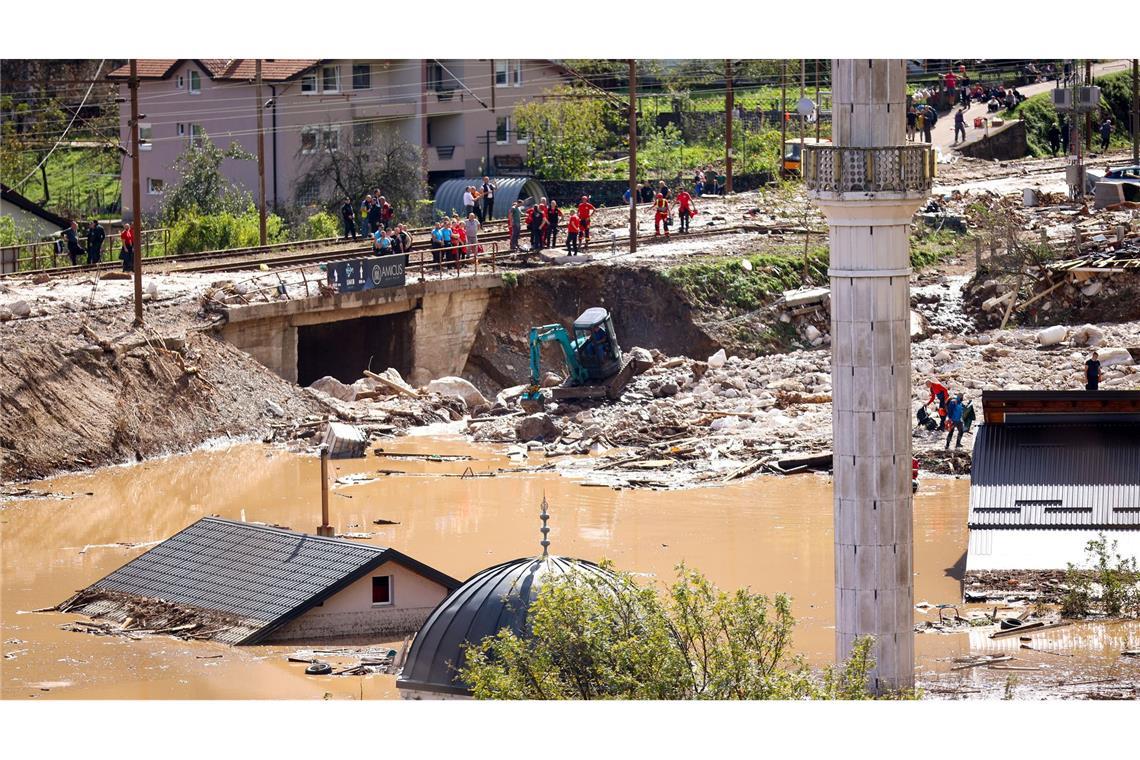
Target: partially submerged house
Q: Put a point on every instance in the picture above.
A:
(242, 583)
(1053, 470)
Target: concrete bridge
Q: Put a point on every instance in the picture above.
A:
(424, 330)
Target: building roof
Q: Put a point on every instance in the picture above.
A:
(496, 598)
(11, 196)
(1056, 476)
(225, 69)
(261, 576)
(1002, 407)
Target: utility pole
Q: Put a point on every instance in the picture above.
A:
(136, 195)
(1135, 111)
(632, 155)
(492, 96)
(728, 107)
(803, 118)
(783, 112)
(1088, 114)
(260, 157)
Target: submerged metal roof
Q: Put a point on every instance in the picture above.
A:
(496, 598)
(1056, 476)
(264, 576)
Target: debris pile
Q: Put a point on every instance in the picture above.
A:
(136, 616)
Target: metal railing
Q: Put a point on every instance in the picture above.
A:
(47, 254)
(901, 169)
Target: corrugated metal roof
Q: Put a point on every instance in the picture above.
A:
(449, 195)
(496, 598)
(256, 573)
(1056, 476)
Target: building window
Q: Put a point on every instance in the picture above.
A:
(330, 79)
(516, 71)
(361, 76)
(381, 590)
(362, 133)
(195, 83)
(330, 138)
(181, 81)
(501, 69)
(309, 84)
(508, 73)
(144, 136)
(153, 186)
(181, 130)
(502, 130)
(308, 140)
(196, 133)
(309, 193)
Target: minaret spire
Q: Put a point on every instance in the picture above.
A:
(545, 530)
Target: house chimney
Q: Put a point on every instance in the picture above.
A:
(324, 529)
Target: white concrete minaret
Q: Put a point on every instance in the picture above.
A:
(869, 184)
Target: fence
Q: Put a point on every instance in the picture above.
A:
(50, 253)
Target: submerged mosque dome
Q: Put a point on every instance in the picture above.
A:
(496, 598)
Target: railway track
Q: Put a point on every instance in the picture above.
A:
(326, 246)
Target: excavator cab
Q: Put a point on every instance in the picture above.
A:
(596, 344)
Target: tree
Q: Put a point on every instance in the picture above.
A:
(203, 188)
(367, 162)
(609, 638)
(565, 129)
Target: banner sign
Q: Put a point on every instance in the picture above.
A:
(367, 274)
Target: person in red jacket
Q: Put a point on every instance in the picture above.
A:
(573, 227)
(940, 392)
(660, 215)
(127, 238)
(685, 208)
(585, 208)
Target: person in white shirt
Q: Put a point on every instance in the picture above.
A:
(468, 201)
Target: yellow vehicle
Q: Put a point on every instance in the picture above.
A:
(792, 153)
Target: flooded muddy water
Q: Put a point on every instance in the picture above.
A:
(772, 534)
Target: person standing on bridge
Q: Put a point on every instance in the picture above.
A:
(95, 237)
(374, 210)
(386, 212)
(349, 217)
(365, 208)
(960, 125)
(472, 229)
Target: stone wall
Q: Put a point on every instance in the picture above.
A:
(1004, 143)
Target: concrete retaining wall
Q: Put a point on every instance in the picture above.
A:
(1005, 143)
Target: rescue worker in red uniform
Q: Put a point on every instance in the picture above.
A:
(585, 208)
(685, 209)
(660, 215)
(573, 227)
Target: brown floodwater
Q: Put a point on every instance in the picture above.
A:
(771, 534)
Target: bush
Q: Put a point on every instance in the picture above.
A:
(319, 226)
(1117, 576)
(218, 232)
(10, 234)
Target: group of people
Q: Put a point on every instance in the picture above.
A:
(95, 238)
(1058, 135)
(953, 411)
(920, 119)
(376, 214)
(454, 239)
(542, 222)
(480, 200)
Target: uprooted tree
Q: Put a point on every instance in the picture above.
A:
(611, 638)
(378, 158)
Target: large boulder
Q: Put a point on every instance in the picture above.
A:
(1089, 335)
(535, 427)
(1110, 357)
(334, 388)
(459, 388)
(20, 308)
(641, 358)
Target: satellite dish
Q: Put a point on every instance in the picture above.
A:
(805, 106)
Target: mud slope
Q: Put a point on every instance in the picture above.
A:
(67, 402)
(647, 311)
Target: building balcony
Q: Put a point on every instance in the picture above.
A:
(906, 170)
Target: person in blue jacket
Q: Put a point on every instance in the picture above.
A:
(954, 411)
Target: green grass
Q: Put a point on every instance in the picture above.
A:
(723, 283)
(80, 181)
(931, 248)
(1038, 113)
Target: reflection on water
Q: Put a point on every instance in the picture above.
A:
(770, 534)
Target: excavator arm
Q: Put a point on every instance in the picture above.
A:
(547, 334)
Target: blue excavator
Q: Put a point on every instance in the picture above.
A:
(595, 365)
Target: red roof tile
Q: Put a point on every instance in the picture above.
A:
(147, 68)
(272, 70)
